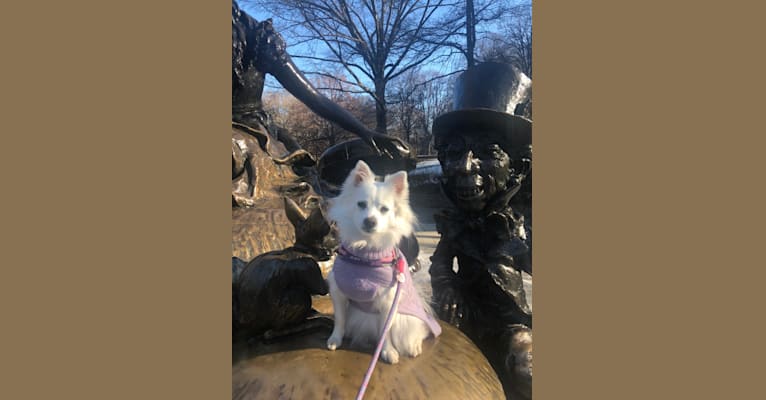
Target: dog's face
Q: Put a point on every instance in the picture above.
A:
(370, 213)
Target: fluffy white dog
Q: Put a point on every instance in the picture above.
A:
(372, 217)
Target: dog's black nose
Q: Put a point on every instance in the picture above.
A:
(369, 224)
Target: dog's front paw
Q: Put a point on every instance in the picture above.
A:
(334, 342)
(390, 355)
(416, 348)
(413, 348)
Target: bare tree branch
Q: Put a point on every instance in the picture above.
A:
(372, 47)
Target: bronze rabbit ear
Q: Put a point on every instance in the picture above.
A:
(294, 213)
(316, 223)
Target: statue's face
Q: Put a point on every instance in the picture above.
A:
(474, 170)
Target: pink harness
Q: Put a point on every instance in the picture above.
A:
(362, 277)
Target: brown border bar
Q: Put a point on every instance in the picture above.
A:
(116, 200)
(647, 132)
(116, 210)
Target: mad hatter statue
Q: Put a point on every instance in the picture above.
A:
(485, 153)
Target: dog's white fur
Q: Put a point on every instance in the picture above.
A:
(392, 193)
(407, 332)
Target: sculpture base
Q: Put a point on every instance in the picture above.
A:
(451, 367)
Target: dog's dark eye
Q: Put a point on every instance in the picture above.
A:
(384, 209)
(362, 204)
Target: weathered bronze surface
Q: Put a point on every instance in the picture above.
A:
(258, 177)
(485, 154)
(261, 183)
(337, 162)
(450, 367)
(257, 230)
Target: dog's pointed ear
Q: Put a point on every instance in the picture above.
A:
(362, 173)
(399, 182)
(294, 212)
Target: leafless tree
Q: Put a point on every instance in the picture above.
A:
(479, 19)
(512, 42)
(314, 133)
(436, 99)
(403, 105)
(375, 41)
(470, 32)
(387, 49)
(418, 98)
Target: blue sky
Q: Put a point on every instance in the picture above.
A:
(260, 15)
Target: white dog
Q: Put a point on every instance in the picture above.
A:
(372, 217)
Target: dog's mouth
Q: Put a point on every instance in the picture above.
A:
(368, 230)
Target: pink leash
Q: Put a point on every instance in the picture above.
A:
(400, 265)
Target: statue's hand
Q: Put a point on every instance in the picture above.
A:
(448, 301)
(272, 48)
(449, 306)
(387, 145)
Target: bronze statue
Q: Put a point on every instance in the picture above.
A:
(485, 154)
(257, 49)
(273, 291)
(269, 165)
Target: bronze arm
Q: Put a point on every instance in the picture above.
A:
(278, 63)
